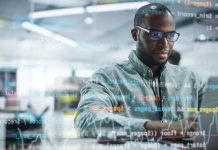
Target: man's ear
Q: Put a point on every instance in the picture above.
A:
(134, 34)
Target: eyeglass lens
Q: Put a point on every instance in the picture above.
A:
(157, 35)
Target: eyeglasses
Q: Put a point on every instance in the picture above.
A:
(158, 35)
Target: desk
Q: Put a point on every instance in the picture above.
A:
(91, 144)
(62, 136)
(59, 134)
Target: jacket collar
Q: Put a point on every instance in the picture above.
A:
(167, 72)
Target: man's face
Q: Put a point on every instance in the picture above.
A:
(155, 52)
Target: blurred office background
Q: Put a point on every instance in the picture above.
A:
(49, 48)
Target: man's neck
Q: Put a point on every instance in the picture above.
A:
(155, 69)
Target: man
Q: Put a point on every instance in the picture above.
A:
(144, 92)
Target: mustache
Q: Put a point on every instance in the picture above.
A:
(161, 51)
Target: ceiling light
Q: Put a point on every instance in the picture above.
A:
(88, 20)
(115, 7)
(40, 30)
(57, 12)
(89, 9)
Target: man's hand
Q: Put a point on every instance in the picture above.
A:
(180, 127)
(184, 125)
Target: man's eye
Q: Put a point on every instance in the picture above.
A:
(171, 35)
(156, 34)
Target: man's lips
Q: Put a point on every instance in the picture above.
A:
(161, 54)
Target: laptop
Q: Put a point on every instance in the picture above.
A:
(208, 116)
(206, 135)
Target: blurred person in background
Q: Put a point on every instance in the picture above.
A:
(174, 57)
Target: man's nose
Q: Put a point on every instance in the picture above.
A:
(164, 42)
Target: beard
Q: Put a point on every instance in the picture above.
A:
(148, 59)
(154, 62)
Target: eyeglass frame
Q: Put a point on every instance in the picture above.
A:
(164, 33)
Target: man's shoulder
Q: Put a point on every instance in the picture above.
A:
(178, 68)
(115, 68)
(181, 71)
(183, 75)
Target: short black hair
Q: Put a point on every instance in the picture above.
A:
(150, 9)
